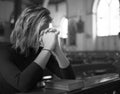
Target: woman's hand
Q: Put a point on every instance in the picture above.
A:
(49, 39)
(57, 48)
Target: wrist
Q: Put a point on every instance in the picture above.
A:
(49, 48)
(46, 49)
(58, 51)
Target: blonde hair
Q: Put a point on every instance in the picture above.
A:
(25, 34)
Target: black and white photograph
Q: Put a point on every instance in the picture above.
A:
(59, 46)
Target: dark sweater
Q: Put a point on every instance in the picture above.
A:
(19, 73)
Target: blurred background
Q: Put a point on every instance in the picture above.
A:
(89, 30)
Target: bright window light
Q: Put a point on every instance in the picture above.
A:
(108, 18)
(64, 28)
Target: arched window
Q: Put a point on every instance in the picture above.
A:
(107, 18)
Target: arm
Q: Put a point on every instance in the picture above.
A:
(43, 57)
(26, 79)
(63, 73)
(21, 80)
(64, 64)
(61, 67)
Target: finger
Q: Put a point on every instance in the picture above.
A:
(40, 41)
(57, 32)
(46, 30)
(50, 29)
(42, 32)
(54, 30)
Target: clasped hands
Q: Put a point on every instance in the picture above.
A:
(49, 39)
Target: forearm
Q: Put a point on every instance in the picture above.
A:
(21, 80)
(61, 58)
(29, 77)
(33, 73)
(42, 58)
(66, 69)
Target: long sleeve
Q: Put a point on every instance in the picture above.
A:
(63, 73)
(21, 80)
(68, 73)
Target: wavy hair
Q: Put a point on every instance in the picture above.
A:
(25, 34)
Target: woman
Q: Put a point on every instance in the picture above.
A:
(33, 48)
